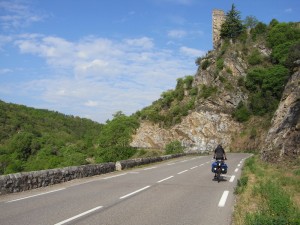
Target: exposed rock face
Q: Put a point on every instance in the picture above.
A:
(199, 131)
(283, 139)
(211, 122)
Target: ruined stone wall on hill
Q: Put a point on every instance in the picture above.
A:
(218, 18)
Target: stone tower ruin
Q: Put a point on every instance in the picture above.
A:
(218, 18)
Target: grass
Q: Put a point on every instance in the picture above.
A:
(267, 194)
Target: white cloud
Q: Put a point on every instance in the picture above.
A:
(144, 42)
(177, 33)
(91, 103)
(101, 74)
(192, 52)
(16, 14)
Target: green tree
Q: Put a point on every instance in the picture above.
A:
(118, 131)
(21, 145)
(232, 27)
(250, 22)
(293, 55)
(266, 86)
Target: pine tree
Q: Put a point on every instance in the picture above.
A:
(232, 27)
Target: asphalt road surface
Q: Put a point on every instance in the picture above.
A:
(176, 192)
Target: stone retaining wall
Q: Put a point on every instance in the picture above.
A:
(18, 182)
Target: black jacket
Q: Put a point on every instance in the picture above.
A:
(219, 152)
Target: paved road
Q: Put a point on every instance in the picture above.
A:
(176, 192)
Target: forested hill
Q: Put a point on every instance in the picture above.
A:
(32, 139)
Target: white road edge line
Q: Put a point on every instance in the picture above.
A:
(165, 179)
(232, 178)
(79, 215)
(236, 170)
(182, 172)
(194, 167)
(114, 176)
(132, 193)
(19, 199)
(223, 199)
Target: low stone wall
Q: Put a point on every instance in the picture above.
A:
(18, 182)
(142, 161)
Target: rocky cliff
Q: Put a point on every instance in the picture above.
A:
(283, 138)
(211, 122)
(198, 132)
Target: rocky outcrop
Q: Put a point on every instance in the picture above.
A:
(198, 132)
(283, 139)
(210, 122)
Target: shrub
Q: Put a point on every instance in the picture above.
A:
(198, 61)
(241, 113)
(293, 55)
(220, 64)
(194, 91)
(174, 147)
(260, 29)
(205, 64)
(167, 98)
(207, 91)
(188, 81)
(113, 154)
(266, 86)
(255, 58)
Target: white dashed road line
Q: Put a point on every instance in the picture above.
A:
(236, 170)
(223, 199)
(165, 179)
(182, 172)
(79, 215)
(132, 193)
(193, 167)
(232, 178)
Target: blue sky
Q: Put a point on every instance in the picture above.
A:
(92, 58)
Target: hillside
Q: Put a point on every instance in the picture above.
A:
(33, 139)
(233, 95)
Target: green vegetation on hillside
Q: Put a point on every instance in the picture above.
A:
(33, 139)
(114, 139)
(266, 77)
(173, 104)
